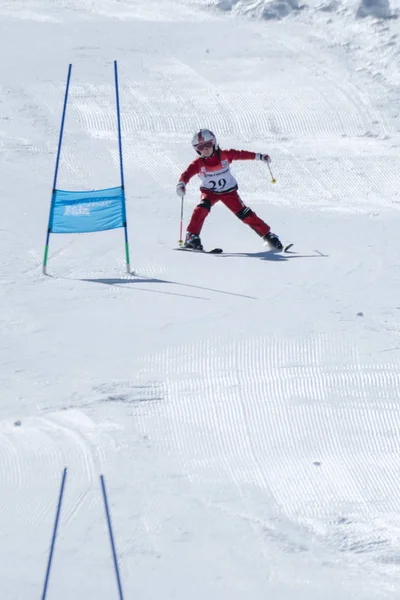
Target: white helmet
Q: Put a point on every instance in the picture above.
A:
(202, 137)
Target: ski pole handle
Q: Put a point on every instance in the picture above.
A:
(180, 242)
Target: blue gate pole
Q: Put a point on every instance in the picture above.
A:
(46, 249)
(121, 166)
(53, 541)
(103, 487)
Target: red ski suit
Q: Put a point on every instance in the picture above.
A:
(218, 184)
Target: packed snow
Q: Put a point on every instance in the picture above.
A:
(243, 408)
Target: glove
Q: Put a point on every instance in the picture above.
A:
(263, 157)
(181, 189)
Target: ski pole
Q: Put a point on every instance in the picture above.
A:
(180, 242)
(53, 541)
(273, 180)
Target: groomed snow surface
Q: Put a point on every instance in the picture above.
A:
(243, 408)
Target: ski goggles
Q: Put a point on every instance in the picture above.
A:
(204, 145)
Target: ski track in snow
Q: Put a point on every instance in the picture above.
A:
(50, 441)
(237, 429)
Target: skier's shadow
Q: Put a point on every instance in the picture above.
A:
(270, 256)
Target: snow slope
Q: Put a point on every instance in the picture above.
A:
(244, 407)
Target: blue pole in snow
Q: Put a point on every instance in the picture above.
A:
(121, 166)
(103, 486)
(119, 124)
(53, 541)
(62, 127)
(46, 249)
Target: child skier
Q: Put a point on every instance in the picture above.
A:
(218, 183)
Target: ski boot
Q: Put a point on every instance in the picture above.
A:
(273, 241)
(193, 242)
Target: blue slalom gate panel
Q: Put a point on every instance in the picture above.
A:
(85, 212)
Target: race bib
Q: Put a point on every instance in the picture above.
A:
(218, 180)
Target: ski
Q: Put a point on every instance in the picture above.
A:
(287, 247)
(213, 251)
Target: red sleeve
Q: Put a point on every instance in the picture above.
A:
(240, 155)
(192, 170)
